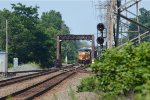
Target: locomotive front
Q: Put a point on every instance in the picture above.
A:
(84, 56)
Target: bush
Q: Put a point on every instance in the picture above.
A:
(87, 84)
(121, 71)
(10, 65)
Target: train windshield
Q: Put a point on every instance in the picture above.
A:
(84, 50)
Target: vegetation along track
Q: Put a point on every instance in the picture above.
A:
(41, 87)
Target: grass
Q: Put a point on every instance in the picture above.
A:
(33, 64)
(55, 97)
(9, 98)
(71, 94)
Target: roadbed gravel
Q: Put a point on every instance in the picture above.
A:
(63, 90)
(6, 90)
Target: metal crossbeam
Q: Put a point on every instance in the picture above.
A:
(147, 32)
(75, 37)
(124, 24)
(124, 6)
(139, 24)
(62, 38)
(131, 12)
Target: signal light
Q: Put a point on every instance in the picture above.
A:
(100, 27)
(100, 40)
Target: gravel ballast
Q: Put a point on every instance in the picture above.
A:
(6, 90)
(63, 91)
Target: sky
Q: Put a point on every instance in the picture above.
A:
(79, 15)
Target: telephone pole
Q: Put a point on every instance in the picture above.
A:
(6, 58)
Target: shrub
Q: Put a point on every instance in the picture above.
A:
(121, 71)
(87, 84)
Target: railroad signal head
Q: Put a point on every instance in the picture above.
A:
(100, 40)
(100, 27)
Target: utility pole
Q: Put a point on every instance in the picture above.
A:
(137, 13)
(118, 23)
(6, 58)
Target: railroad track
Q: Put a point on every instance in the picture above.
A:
(29, 76)
(27, 71)
(41, 87)
(23, 78)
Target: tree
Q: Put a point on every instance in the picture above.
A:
(54, 26)
(5, 14)
(52, 19)
(33, 39)
(22, 32)
(27, 39)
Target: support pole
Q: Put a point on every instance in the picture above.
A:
(92, 49)
(137, 12)
(118, 23)
(58, 59)
(58, 48)
(6, 59)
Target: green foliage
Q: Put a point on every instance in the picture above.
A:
(71, 94)
(9, 97)
(10, 65)
(33, 39)
(33, 64)
(87, 84)
(55, 97)
(69, 48)
(52, 18)
(143, 91)
(54, 25)
(121, 71)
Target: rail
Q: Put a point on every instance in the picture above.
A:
(42, 87)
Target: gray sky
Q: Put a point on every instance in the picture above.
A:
(79, 15)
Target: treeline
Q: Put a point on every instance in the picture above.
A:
(33, 39)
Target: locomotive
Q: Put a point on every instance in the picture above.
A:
(84, 56)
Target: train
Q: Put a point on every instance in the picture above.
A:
(84, 56)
